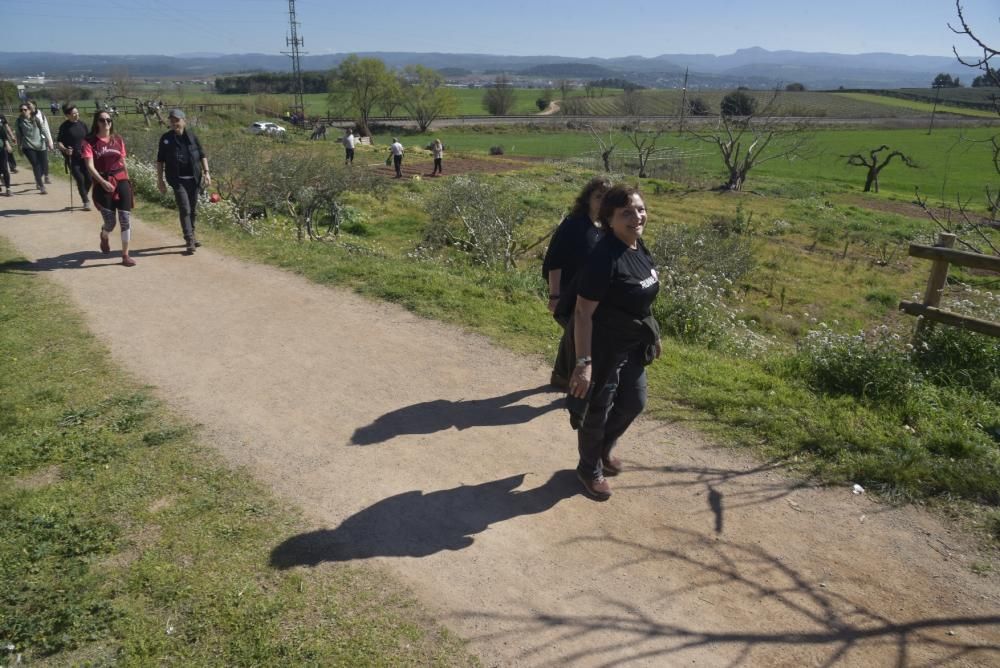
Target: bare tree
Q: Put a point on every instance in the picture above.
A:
(606, 147)
(643, 139)
(983, 62)
(745, 142)
(632, 102)
(974, 231)
(425, 96)
(873, 164)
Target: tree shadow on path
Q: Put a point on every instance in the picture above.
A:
(783, 612)
(429, 417)
(417, 524)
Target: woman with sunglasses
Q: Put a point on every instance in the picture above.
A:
(32, 138)
(103, 151)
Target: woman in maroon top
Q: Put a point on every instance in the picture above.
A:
(104, 153)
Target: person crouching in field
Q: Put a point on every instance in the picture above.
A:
(180, 154)
(616, 337)
(103, 151)
(571, 244)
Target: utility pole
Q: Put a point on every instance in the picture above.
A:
(937, 97)
(294, 42)
(684, 101)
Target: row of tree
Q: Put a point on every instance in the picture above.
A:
(945, 80)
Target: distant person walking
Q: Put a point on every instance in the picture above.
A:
(104, 153)
(568, 250)
(69, 139)
(8, 131)
(616, 337)
(397, 156)
(349, 142)
(181, 157)
(49, 146)
(437, 149)
(32, 139)
(7, 142)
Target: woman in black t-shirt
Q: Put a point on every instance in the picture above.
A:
(70, 142)
(616, 336)
(570, 245)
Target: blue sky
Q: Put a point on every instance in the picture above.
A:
(543, 27)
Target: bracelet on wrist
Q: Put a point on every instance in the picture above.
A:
(585, 360)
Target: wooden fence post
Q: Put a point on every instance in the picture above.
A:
(936, 282)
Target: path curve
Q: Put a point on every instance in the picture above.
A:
(436, 454)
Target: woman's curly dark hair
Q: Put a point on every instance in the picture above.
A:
(581, 207)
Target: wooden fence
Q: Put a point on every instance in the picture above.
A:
(943, 256)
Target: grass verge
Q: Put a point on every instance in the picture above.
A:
(127, 542)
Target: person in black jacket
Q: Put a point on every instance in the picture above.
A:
(70, 142)
(571, 244)
(616, 336)
(183, 159)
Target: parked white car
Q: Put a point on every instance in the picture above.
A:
(266, 128)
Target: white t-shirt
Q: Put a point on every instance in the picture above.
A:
(396, 148)
(349, 140)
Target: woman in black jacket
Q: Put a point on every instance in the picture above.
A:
(571, 244)
(616, 336)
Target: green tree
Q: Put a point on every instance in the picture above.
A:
(499, 99)
(359, 83)
(8, 93)
(944, 80)
(738, 103)
(391, 97)
(795, 87)
(425, 97)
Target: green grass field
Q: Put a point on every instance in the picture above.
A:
(913, 105)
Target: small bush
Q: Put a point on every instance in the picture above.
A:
(874, 366)
(496, 150)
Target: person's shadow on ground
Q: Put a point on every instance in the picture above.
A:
(429, 417)
(415, 524)
(77, 260)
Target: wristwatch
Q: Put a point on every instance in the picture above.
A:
(584, 361)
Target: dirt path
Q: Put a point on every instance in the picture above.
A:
(443, 458)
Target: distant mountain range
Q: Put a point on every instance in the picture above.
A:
(754, 67)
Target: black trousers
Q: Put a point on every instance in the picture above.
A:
(37, 166)
(437, 166)
(4, 167)
(11, 161)
(397, 162)
(618, 397)
(82, 178)
(186, 196)
(566, 354)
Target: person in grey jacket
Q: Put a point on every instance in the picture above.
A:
(33, 139)
(182, 160)
(49, 146)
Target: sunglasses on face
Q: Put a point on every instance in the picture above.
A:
(104, 119)
(24, 109)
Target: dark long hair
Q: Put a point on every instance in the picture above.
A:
(581, 207)
(616, 198)
(94, 124)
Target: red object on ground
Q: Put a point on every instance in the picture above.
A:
(214, 197)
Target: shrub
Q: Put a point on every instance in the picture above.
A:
(479, 218)
(698, 107)
(738, 103)
(874, 366)
(496, 150)
(693, 308)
